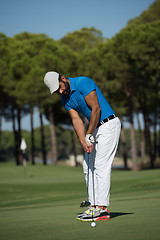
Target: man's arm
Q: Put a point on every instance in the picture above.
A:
(92, 100)
(79, 129)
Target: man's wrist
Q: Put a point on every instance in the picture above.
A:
(89, 131)
(82, 141)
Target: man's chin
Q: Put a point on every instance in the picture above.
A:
(66, 93)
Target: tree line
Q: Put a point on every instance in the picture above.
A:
(126, 68)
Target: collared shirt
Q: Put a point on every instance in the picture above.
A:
(80, 88)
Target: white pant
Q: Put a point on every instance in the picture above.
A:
(98, 174)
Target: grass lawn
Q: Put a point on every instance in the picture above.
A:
(43, 201)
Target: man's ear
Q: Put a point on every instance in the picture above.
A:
(63, 79)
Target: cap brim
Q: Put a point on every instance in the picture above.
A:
(54, 88)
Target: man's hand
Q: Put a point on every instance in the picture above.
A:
(89, 139)
(87, 148)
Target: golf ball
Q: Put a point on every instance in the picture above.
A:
(93, 224)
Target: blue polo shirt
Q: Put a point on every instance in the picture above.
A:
(80, 88)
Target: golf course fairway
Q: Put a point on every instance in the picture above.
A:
(41, 203)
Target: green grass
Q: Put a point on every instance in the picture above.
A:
(42, 203)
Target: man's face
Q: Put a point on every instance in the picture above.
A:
(64, 87)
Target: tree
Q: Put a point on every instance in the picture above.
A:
(86, 38)
(8, 85)
(52, 57)
(138, 50)
(4, 59)
(150, 15)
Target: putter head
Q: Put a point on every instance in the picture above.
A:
(85, 204)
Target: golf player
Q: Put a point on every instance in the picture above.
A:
(100, 142)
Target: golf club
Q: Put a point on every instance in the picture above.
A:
(86, 203)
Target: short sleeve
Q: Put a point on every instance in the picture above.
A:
(85, 85)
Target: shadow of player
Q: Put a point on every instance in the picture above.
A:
(118, 214)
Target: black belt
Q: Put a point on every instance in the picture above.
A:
(107, 119)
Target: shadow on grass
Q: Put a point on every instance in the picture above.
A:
(118, 214)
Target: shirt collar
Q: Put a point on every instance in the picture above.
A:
(72, 82)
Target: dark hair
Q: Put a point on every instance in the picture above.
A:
(59, 78)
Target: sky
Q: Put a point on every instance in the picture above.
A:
(56, 18)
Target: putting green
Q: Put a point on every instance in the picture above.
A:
(41, 202)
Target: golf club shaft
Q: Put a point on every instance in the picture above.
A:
(88, 177)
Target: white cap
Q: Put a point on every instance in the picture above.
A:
(51, 81)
